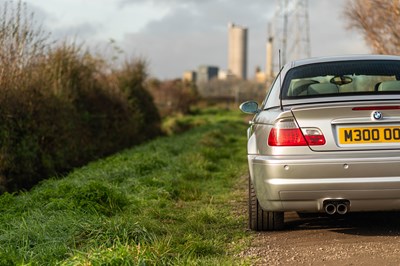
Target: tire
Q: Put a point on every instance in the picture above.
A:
(260, 220)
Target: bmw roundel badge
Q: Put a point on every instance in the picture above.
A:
(377, 115)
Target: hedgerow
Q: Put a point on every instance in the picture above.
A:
(61, 106)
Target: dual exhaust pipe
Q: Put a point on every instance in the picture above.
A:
(332, 207)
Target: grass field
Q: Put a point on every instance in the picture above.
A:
(165, 202)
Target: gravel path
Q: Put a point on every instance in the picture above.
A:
(354, 239)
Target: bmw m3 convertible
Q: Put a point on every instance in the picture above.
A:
(326, 139)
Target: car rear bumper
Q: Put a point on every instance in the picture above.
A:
(371, 182)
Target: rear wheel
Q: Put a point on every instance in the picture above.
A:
(260, 220)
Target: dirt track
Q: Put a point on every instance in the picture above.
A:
(353, 239)
(356, 239)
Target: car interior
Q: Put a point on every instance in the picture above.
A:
(342, 84)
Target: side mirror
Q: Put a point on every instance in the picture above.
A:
(249, 107)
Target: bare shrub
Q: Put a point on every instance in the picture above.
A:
(378, 22)
(173, 96)
(22, 44)
(61, 106)
(131, 79)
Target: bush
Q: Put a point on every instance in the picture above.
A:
(131, 79)
(61, 106)
(37, 135)
(173, 96)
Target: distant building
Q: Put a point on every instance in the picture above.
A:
(190, 76)
(206, 73)
(237, 50)
(269, 71)
(260, 76)
(222, 75)
(225, 75)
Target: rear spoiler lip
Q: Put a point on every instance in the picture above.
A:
(289, 104)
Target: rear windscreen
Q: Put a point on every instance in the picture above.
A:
(342, 78)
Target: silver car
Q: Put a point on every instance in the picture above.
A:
(326, 139)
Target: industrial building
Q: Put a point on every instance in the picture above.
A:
(237, 51)
(206, 73)
(190, 76)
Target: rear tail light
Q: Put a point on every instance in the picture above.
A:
(314, 136)
(286, 133)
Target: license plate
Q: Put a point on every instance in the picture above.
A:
(365, 135)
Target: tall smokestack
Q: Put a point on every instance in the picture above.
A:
(268, 66)
(237, 50)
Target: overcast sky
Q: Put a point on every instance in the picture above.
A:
(178, 35)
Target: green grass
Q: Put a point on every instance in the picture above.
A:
(167, 202)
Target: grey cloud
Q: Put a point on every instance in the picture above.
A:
(195, 32)
(123, 3)
(328, 30)
(169, 57)
(79, 32)
(187, 37)
(39, 15)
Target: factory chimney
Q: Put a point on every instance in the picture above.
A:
(237, 50)
(269, 72)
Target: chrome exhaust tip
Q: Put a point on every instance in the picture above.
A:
(330, 208)
(341, 208)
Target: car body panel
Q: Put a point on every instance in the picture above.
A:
(301, 178)
(354, 177)
(330, 117)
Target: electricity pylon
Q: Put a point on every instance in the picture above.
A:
(291, 30)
